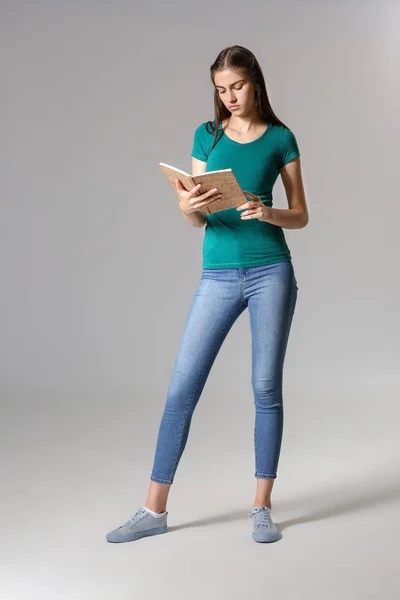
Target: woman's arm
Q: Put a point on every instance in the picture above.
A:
(296, 216)
(196, 218)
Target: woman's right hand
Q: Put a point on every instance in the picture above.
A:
(190, 201)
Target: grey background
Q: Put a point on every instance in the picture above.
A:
(98, 270)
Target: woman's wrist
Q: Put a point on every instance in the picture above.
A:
(195, 218)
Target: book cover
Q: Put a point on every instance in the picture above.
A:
(224, 180)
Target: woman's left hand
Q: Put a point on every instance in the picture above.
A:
(256, 209)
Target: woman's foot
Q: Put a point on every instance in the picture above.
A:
(141, 524)
(264, 529)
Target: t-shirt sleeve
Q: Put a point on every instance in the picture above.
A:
(289, 147)
(199, 149)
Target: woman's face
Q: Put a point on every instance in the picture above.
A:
(234, 88)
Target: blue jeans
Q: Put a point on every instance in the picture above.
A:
(270, 294)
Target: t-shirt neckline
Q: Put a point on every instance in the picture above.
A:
(260, 137)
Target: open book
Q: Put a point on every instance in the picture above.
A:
(224, 180)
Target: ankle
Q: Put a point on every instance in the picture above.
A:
(262, 503)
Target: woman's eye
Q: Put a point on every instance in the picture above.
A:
(223, 91)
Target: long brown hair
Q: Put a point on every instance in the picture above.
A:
(241, 59)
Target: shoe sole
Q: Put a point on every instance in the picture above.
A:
(137, 535)
(263, 539)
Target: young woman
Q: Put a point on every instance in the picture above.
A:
(246, 264)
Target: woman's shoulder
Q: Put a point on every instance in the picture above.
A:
(206, 127)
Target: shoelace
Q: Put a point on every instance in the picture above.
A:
(263, 515)
(138, 516)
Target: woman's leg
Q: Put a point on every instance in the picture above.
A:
(216, 306)
(271, 291)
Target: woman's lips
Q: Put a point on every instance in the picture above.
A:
(234, 107)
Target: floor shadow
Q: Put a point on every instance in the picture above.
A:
(340, 499)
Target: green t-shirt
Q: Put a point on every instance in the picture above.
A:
(229, 241)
